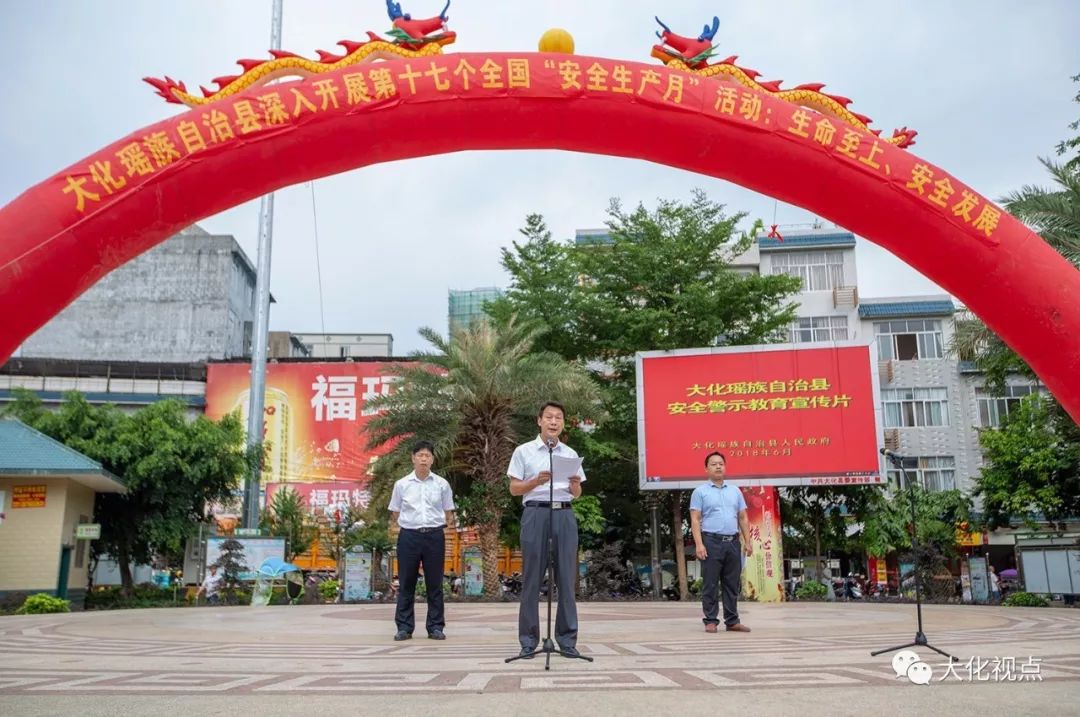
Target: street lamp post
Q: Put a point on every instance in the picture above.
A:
(260, 334)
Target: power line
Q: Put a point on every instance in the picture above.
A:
(318, 261)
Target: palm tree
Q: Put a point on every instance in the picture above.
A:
(287, 518)
(1053, 213)
(475, 396)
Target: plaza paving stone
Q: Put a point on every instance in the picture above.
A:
(801, 658)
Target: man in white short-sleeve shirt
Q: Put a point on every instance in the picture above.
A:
(422, 504)
(530, 475)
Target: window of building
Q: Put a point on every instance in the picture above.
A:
(819, 270)
(994, 409)
(909, 340)
(818, 328)
(913, 407)
(935, 473)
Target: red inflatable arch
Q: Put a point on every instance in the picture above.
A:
(64, 234)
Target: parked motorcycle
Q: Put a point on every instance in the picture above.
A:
(511, 586)
(849, 588)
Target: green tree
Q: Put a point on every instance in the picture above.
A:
(590, 520)
(173, 469)
(664, 281)
(1032, 465)
(375, 536)
(887, 520)
(816, 520)
(1054, 213)
(973, 341)
(1072, 144)
(287, 517)
(233, 564)
(475, 396)
(887, 527)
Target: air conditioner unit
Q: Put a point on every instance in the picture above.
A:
(892, 439)
(845, 297)
(885, 370)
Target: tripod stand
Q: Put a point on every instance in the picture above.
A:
(920, 637)
(548, 647)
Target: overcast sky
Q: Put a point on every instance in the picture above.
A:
(986, 84)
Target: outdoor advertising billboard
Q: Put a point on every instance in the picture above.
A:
(315, 415)
(782, 414)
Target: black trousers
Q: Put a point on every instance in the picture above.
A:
(721, 571)
(414, 549)
(534, 558)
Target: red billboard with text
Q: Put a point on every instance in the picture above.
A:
(315, 414)
(782, 415)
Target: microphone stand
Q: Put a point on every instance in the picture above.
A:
(548, 647)
(920, 636)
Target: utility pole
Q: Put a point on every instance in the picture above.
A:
(657, 575)
(256, 398)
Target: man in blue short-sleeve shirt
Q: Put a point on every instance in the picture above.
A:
(717, 520)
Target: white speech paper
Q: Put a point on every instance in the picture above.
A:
(563, 469)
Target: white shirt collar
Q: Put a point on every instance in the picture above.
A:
(539, 442)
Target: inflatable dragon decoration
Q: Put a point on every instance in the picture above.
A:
(693, 54)
(411, 38)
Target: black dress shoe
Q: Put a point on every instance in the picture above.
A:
(572, 651)
(527, 653)
(402, 635)
(436, 635)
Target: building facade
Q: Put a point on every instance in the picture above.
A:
(337, 346)
(129, 385)
(933, 405)
(46, 491)
(282, 344)
(190, 298)
(464, 306)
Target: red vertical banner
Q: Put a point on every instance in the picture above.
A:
(763, 572)
(877, 570)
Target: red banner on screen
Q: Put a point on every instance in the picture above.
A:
(318, 497)
(781, 416)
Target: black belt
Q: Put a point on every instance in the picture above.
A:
(557, 505)
(724, 537)
(438, 528)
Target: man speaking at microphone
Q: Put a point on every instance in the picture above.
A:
(530, 474)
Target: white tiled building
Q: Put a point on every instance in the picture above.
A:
(932, 404)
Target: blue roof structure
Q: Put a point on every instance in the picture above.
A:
(25, 451)
(905, 309)
(590, 239)
(802, 241)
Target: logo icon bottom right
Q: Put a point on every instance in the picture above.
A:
(907, 663)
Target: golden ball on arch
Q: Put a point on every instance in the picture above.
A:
(557, 40)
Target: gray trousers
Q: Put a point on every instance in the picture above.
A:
(721, 572)
(534, 557)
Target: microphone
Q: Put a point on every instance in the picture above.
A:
(889, 454)
(552, 442)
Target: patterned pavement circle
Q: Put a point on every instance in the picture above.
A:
(638, 646)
